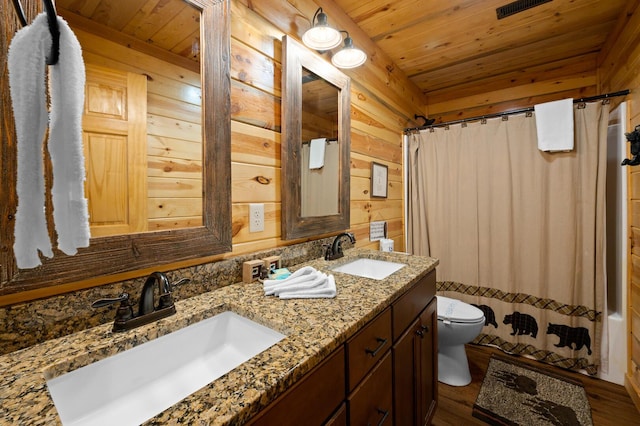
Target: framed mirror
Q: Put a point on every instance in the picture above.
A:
(189, 117)
(316, 144)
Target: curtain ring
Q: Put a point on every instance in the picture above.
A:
(431, 130)
(464, 124)
(582, 105)
(528, 114)
(606, 101)
(483, 121)
(505, 118)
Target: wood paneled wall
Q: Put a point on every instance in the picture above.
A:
(383, 103)
(620, 69)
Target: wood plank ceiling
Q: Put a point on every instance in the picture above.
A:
(456, 48)
(450, 49)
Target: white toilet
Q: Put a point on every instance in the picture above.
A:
(458, 323)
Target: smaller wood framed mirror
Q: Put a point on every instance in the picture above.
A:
(316, 143)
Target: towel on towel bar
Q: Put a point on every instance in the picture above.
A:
(316, 153)
(554, 125)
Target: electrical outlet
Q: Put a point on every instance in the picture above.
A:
(256, 217)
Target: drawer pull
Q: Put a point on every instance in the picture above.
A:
(384, 417)
(374, 352)
(423, 329)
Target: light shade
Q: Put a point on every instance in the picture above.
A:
(321, 36)
(349, 56)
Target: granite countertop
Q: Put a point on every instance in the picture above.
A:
(314, 328)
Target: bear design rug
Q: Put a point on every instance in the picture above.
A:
(514, 393)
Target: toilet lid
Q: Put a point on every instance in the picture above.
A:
(454, 310)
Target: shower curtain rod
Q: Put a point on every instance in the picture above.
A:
(517, 111)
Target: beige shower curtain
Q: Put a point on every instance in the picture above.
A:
(519, 232)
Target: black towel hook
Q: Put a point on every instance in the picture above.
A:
(52, 19)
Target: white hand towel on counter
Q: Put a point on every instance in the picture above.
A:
(326, 291)
(301, 275)
(316, 153)
(315, 280)
(554, 125)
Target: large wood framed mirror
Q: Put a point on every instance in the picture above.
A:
(316, 144)
(168, 177)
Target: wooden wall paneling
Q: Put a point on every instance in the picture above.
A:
(253, 106)
(517, 92)
(254, 183)
(616, 52)
(577, 66)
(400, 95)
(512, 104)
(240, 220)
(254, 145)
(366, 143)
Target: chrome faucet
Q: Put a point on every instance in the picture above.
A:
(334, 251)
(147, 310)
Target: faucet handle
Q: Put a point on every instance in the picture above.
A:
(101, 303)
(125, 310)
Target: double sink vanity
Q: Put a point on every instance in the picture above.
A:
(235, 356)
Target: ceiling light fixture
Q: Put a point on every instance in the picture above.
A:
(349, 56)
(321, 36)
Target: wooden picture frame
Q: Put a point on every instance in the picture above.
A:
(379, 180)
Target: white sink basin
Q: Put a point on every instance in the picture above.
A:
(370, 268)
(137, 384)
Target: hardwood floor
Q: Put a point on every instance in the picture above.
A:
(610, 403)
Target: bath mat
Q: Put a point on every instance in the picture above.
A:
(514, 393)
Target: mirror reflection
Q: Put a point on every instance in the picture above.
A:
(320, 161)
(175, 73)
(316, 144)
(142, 126)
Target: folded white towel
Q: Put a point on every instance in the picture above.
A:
(315, 280)
(306, 270)
(316, 153)
(326, 291)
(26, 63)
(554, 125)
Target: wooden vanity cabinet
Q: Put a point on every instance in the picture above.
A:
(369, 373)
(311, 401)
(415, 355)
(386, 373)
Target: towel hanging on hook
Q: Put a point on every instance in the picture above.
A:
(52, 20)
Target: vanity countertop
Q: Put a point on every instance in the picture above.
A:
(314, 328)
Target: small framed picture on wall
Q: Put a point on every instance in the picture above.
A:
(379, 179)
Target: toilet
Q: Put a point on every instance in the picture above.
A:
(458, 323)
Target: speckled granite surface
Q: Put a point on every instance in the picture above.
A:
(29, 323)
(314, 328)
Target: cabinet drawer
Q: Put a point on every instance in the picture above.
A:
(410, 304)
(312, 400)
(368, 347)
(372, 401)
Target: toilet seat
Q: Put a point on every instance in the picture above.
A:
(457, 311)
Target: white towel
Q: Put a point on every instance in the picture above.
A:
(325, 291)
(315, 280)
(316, 153)
(554, 125)
(70, 210)
(300, 275)
(26, 63)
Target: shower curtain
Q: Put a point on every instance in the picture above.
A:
(518, 232)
